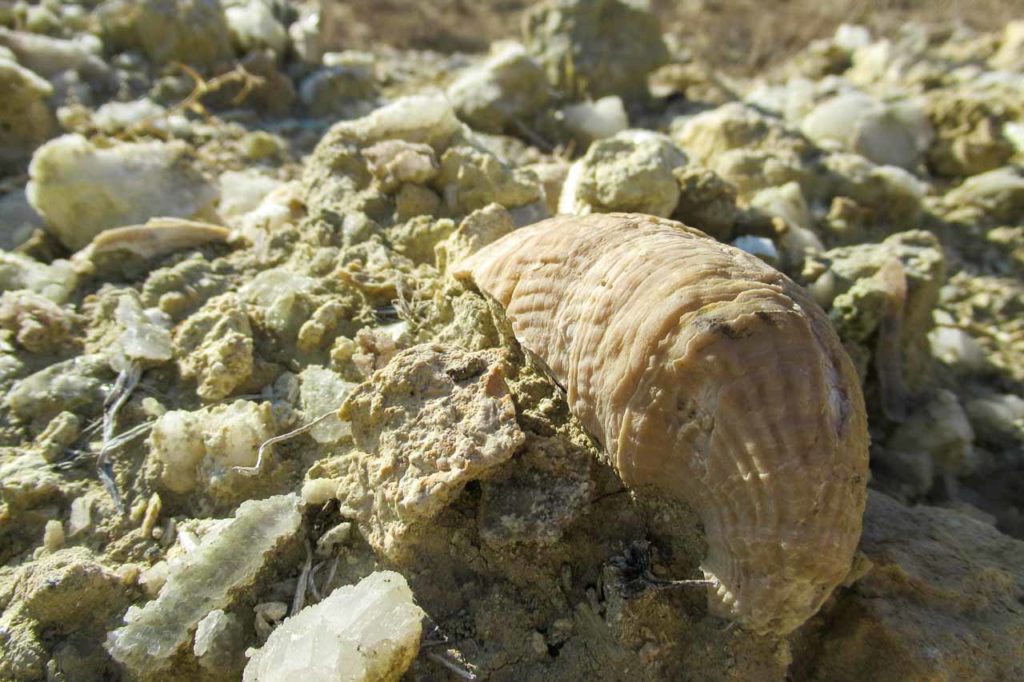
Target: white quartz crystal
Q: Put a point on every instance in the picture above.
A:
(223, 564)
(367, 632)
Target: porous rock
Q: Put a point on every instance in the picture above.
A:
(632, 171)
(427, 424)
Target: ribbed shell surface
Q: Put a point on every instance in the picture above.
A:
(709, 375)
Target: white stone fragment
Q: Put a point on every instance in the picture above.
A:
(596, 119)
(80, 517)
(114, 117)
(253, 26)
(146, 336)
(429, 119)
(224, 563)
(55, 281)
(368, 632)
(894, 134)
(852, 36)
(957, 347)
(762, 247)
(242, 192)
(204, 446)
(82, 189)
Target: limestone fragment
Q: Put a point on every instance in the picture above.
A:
(893, 134)
(594, 120)
(471, 178)
(369, 632)
(632, 171)
(38, 324)
(55, 281)
(706, 201)
(396, 162)
(25, 116)
(969, 126)
(242, 192)
(477, 230)
(146, 337)
(82, 189)
(857, 289)
(428, 119)
(223, 564)
(323, 391)
(998, 193)
(214, 346)
(427, 424)
(190, 31)
(201, 448)
(505, 90)
(941, 601)
(893, 194)
(48, 56)
(253, 26)
(595, 47)
(75, 385)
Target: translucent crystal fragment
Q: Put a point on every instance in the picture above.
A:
(222, 564)
(367, 632)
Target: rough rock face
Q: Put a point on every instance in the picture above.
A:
(632, 171)
(941, 601)
(883, 293)
(501, 93)
(592, 48)
(430, 422)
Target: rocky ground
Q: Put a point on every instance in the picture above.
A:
(238, 378)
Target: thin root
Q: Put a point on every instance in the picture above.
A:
(258, 466)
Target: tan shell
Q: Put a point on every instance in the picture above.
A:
(710, 376)
(157, 237)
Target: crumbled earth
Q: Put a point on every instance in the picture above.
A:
(215, 419)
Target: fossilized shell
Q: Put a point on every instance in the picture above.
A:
(157, 237)
(707, 375)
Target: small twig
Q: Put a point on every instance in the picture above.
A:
(461, 672)
(258, 466)
(300, 590)
(203, 87)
